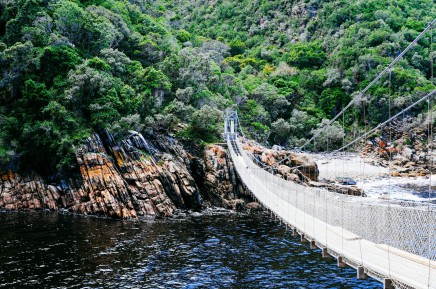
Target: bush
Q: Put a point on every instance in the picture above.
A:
(206, 124)
(237, 47)
(330, 137)
(306, 55)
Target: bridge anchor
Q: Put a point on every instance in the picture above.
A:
(341, 263)
(312, 245)
(361, 275)
(387, 284)
(325, 253)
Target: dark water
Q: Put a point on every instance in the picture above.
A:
(46, 250)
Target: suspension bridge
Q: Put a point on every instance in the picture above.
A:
(391, 241)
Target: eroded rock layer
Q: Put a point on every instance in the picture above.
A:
(130, 179)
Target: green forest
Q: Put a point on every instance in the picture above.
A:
(72, 67)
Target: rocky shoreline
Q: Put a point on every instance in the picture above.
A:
(142, 177)
(296, 167)
(130, 179)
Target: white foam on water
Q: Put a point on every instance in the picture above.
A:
(415, 189)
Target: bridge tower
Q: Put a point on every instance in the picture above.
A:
(231, 125)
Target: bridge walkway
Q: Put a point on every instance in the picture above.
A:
(377, 239)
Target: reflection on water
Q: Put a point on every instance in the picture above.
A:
(47, 250)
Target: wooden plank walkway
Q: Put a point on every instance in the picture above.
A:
(292, 203)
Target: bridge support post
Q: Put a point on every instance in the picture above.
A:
(312, 245)
(387, 284)
(294, 233)
(325, 253)
(341, 263)
(361, 275)
(303, 239)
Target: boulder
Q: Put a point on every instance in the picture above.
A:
(306, 165)
(346, 181)
(288, 161)
(254, 206)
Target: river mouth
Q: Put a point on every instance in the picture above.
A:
(219, 250)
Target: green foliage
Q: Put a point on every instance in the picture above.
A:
(237, 47)
(280, 131)
(206, 124)
(306, 55)
(72, 67)
(58, 60)
(183, 36)
(328, 138)
(239, 62)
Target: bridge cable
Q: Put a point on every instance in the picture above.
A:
(389, 161)
(325, 198)
(429, 95)
(430, 136)
(364, 160)
(343, 173)
(363, 92)
(359, 96)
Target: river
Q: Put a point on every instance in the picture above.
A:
(214, 250)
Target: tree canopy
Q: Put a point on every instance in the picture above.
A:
(72, 67)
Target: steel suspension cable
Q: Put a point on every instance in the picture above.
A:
(359, 96)
(361, 195)
(390, 159)
(430, 136)
(387, 121)
(362, 93)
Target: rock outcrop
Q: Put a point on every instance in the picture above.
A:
(221, 182)
(408, 149)
(289, 165)
(295, 167)
(129, 179)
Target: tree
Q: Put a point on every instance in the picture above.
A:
(15, 62)
(306, 55)
(183, 36)
(58, 61)
(280, 131)
(330, 137)
(206, 124)
(237, 47)
(70, 21)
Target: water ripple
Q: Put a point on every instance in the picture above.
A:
(47, 250)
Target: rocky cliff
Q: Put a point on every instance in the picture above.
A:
(129, 179)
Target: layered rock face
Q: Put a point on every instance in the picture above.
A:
(221, 181)
(129, 179)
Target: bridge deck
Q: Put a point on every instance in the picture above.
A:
(356, 231)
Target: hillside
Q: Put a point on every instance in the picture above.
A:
(71, 68)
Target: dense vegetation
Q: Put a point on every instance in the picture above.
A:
(71, 67)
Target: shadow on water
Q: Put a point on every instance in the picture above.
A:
(47, 250)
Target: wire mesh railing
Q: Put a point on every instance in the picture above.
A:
(399, 228)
